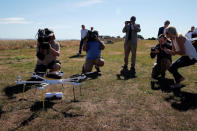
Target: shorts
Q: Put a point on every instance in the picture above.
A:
(87, 67)
(43, 68)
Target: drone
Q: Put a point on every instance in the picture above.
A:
(42, 82)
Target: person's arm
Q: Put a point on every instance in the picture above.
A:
(181, 41)
(170, 51)
(137, 28)
(155, 52)
(56, 51)
(101, 44)
(125, 27)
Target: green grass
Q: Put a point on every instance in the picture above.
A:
(105, 104)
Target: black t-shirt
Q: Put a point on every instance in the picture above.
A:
(161, 53)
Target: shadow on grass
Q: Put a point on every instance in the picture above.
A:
(183, 101)
(162, 84)
(39, 106)
(16, 89)
(1, 111)
(67, 113)
(89, 75)
(125, 76)
(76, 56)
(180, 100)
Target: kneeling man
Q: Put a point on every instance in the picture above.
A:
(93, 46)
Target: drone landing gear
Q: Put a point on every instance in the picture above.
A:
(74, 97)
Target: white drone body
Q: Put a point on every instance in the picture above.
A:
(43, 82)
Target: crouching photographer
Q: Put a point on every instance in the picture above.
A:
(93, 46)
(164, 60)
(47, 52)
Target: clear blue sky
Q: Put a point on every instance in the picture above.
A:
(22, 18)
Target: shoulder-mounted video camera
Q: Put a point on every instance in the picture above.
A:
(92, 35)
(44, 38)
(43, 41)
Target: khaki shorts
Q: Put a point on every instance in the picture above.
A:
(90, 63)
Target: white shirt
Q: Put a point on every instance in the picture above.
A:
(189, 35)
(189, 49)
(83, 33)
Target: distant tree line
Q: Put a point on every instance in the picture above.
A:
(118, 37)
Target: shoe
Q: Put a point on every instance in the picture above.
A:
(179, 80)
(125, 67)
(132, 70)
(78, 54)
(176, 86)
(163, 75)
(97, 69)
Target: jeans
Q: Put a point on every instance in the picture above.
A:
(180, 62)
(80, 46)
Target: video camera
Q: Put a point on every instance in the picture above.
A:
(43, 41)
(91, 36)
(44, 38)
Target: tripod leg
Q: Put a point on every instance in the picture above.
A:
(24, 91)
(80, 90)
(74, 93)
(42, 99)
(62, 87)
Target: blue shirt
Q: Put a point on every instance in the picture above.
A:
(93, 50)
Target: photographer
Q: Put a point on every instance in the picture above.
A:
(93, 47)
(47, 52)
(130, 44)
(164, 60)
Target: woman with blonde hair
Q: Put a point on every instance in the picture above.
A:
(183, 47)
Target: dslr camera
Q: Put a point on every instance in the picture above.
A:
(128, 22)
(91, 36)
(43, 41)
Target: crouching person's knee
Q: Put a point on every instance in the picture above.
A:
(56, 67)
(100, 62)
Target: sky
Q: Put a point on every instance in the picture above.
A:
(21, 19)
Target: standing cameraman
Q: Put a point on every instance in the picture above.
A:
(47, 52)
(130, 44)
(93, 47)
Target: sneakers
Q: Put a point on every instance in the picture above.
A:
(179, 80)
(132, 70)
(125, 67)
(175, 86)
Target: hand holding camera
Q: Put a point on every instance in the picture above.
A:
(127, 22)
(154, 50)
(168, 51)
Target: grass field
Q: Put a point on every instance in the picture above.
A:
(106, 103)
